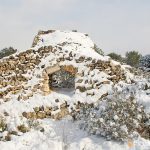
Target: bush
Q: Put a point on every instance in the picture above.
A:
(115, 118)
(116, 57)
(98, 50)
(7, 52)
(133, 58)
(3, 124)
(145, 62)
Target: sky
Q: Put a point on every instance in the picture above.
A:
(114, 25)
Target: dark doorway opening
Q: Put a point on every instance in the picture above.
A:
(62, 80)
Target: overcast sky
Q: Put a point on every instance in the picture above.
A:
(114, 25)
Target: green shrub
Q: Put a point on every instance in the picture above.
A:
(98, 50)
(133, 58)
(7, 52)
(116, 57)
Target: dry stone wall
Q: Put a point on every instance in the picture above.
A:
(13, 69)
(17, 71)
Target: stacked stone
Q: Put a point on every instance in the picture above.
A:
(47, 112)
(114, 72)
(13, 69)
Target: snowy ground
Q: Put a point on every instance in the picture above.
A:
(58, 134)
(65, 134)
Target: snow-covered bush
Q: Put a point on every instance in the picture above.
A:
(145, 62)
(115, 118)
(98, 50)
(3, 124)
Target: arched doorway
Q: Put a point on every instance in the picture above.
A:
(62, 79)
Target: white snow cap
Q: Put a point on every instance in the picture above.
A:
(72, 41)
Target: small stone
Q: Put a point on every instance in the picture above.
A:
(14, 132)
(47, 110)
(23, 128)
(8, 137)
(42, 130)
(36, 109)
(55, 108)
(6, 113)
(43, 66)
(56, 100)
(41, 115)
(24, 114)
(41, 108)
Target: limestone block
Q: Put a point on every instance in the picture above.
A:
(70, 69)
(41, 115)
(45, 88)
(50, 70)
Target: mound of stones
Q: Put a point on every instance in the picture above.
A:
(17, 70)
(13, 69)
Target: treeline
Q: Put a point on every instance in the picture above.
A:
(132, 58)
(7, 52)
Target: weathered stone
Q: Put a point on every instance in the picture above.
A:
(50, 70)
(24, 98)
(13, 132)
(36, 109)
(41, 115)
(7, 137)
(23, 128)
(56, 100)
(45, 88)
(25, 114)
(63, 105)
(106, 82)
(55, 108)
(47, 110)
(63, 112)
(82, 89)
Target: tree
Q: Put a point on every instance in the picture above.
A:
(116, 57)
(7, 52)
(98, 50)
(145, 62)
(133, 58)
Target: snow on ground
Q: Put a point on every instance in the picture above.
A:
(66, 133)
(15, 108)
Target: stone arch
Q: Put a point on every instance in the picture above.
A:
(58, 77)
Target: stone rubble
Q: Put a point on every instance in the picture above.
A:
(18, 70)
